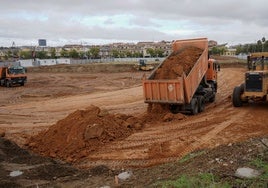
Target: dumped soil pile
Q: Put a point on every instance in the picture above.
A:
(83, 132)
(178, 62)
(160, 112)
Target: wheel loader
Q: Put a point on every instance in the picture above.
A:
(255, 86)
(142, 65)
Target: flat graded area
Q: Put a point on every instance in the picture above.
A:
(50, 97)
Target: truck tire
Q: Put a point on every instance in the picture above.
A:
(237, 102)
(8, 83)
(194, 106)
(22, 83)
(212, 99)
(201, 103)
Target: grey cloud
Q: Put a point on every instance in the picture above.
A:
(227, 20)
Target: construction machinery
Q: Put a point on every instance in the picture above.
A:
(142, 65)
(15, 75)
(255, 86)
(187, 92)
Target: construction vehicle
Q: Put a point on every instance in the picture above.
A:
(15, 75)
(187, 93)
(255, 87)
(142, 65)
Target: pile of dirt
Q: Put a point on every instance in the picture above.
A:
(160, 112)
(178, 62)
(83, 132)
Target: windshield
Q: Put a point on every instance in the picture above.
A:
(16, 70)
(258, 61)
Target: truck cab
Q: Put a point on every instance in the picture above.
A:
(13, 75)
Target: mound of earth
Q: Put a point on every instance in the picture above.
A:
(178, 62)
(83, 132)
(160, 112)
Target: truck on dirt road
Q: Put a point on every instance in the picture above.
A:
(255, 87)
(15, 75)
(185, 80)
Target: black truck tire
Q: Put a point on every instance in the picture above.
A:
(194, 106)
(237, 102)
(201, 103)
(8, 83)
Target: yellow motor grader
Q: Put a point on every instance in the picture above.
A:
(255, 87)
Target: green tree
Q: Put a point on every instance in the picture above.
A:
(74, 54)
(259, 46)
(64, 53)
(94, 52)
(151, 51)
(263, 42)
(159, 52)
(129, 54)
(122, 54)
(53, 53)
(265, 46)
(25, 54)
(217, 50)
(41, 54)
(115, 53)
(137, 54)
(9, 54)
(239, 49)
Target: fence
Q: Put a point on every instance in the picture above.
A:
(47, 62)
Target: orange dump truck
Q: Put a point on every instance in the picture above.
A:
(10, 76)
(185, 80)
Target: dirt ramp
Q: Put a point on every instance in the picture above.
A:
(83, 132)
(178, 62)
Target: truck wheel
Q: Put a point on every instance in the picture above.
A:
(212, 99)
(194, 106)
(237, 102)
(22, 84)
(201, 103)
(8, 83)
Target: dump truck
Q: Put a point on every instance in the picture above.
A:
(14, 75)
(183, 85)
(255, 86)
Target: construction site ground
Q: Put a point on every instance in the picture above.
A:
(151, 151)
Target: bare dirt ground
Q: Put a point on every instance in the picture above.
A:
(50, 97)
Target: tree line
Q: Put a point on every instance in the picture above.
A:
(260, 46)
(92, 53)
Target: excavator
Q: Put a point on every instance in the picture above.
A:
(255, 87)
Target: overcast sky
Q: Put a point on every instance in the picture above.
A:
(105, 21)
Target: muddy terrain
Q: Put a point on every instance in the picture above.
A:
(51, 114)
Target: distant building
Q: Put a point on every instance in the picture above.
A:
(230, 52)
(42, 42)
